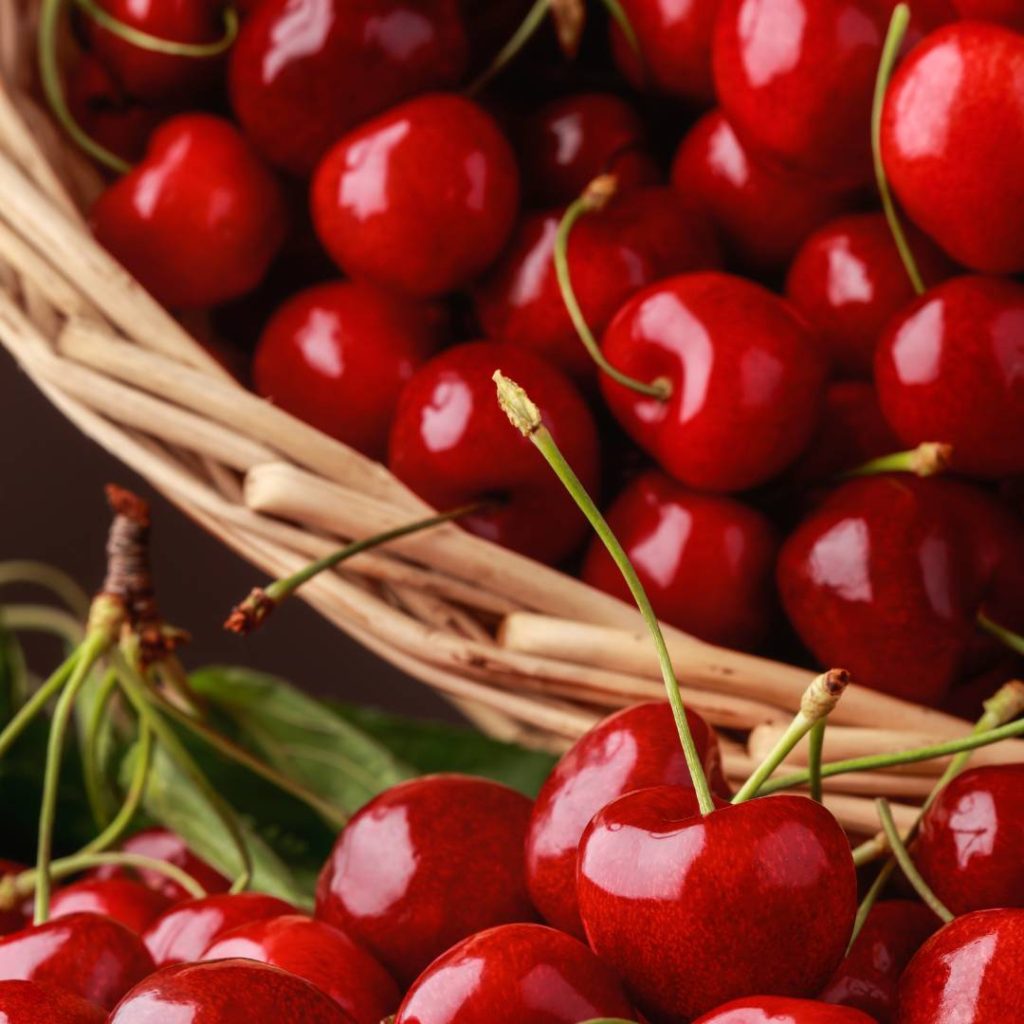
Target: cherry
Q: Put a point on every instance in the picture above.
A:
(1002, 12)
(640, 237)
(869, 977)
(762, 213)
(425, 864)
(694, 910)
(746, 379)
(780, 1010)
(848, 281)
(950, 368)
(226, 992)
(634, 748)
(131, 903)
(420, 199)
(199, 220)
(304, 72)
(674, 537)
(967, 973)
(324, 956)
(952, 139)
(321, 350)
(451, 443)
(94, 957)
(186, 930)
(512, 974)
(29, 1002)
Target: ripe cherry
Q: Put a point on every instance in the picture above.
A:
(782, 1010)
(131, 903)
(31, 1002)
(1002, 12)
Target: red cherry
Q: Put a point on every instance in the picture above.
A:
(131, 903)
(1002, 12)
(967, 973)
(420, 199)
(780, 1010)
(425, 864)
(848, 281)
(745, 375)
(337, 356)
(304, 72)
(764, 893)
(184, 932)
(324, 956)
(226, 992)
(28, 1002)
(94, 957)
(635, 748)
(199, 220)
(674, 536)
(452, 444)
(639, 238)
(513, 974)
(953, 143)
(950, 367)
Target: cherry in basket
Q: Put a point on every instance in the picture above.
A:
(133, 904)
(31, 1002)
(780, 1010)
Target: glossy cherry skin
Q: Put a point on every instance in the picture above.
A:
(226, 992)
(868, 978)
(640, 237)
(848, 281)
(199, 220)
(967, 973)
(1002, 12)
(131, 903)
(420, 199)
(324, 956)
(92, 956)
(185, 932)
(512, 974)
(762, 213)
(29, 1002)
(953, 143)
(452, 444)
(950, 367)
(674, 537)
(745, 374)
(304, 72)
(764, 892)
(425, 864)
(782, 1010)
(337, 355)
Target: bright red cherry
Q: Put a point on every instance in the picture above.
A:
(640, 237)
(131, 903)
(781, 1010)
(420, 199)
(425, 864)
(950, 367)
(632, 749)
(29, 1002)
(304, 72)
(745, 375)
(513, 974)
(674, 536)
(452, 444)
(199, 220)
(1003, 12)
(337, 355)
(764, 892)
(953, 143)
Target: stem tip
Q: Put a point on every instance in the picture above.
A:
(523, 414)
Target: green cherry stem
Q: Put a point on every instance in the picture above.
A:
(522, 35)
(594, 197)
(815, 747)
(907, 866)
(42, 618)
(35, 704)
(525, 417)
(40, 574)
(618, 15)
(928, 459)
(145, 41)
(1012, 640)
(893, 41)
(99, 803)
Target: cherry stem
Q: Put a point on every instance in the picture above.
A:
(42, 618)
(815, 745)
(890, 51)
(525, 417)
(594, 197)
(907, 866)
(816, 704)
(928, 459)
(42, 575)
(1012, 640)
(619, 16)
(35, 704)
(145, 41)
(522, 35)
(91, 775)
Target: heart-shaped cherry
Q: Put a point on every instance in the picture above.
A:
(131, 903)
(782, 1010)
(420, 199)
(513, 974)
(1002, 12)
(451, 444)
(30, 1002)
(199, 220)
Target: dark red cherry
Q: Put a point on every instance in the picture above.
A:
(782, 1010)
(199, 220)
(639, 238)
(31, 1002)
(304, 72)
(452, 444)
(425, 864)
(634, 748)
(950, 367)
(674, 536)
(745, 375)
(1003, 12)
(420, 199)
(513, 974)
(131, 903)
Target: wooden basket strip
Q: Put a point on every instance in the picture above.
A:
(27, 262)
(859, 815)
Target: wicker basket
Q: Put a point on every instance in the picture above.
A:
(527, 652)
